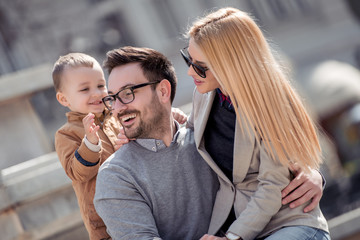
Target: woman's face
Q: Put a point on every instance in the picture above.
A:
(203, 85)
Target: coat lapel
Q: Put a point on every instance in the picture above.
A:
(203, 112)
(244, 144)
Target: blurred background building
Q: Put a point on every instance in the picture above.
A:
(319, 40)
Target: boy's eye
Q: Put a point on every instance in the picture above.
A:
(101, 86)
(84, 89)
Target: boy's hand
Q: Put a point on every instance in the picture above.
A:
(91, 128)
(304, 187)
(179, 115)
(121, 139)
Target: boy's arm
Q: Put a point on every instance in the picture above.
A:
(78, 161)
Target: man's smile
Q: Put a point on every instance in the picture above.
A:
(127, 119)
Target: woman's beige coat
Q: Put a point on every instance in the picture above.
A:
(257, 183)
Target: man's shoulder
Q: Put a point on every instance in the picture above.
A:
(122, 163)
(126, 155)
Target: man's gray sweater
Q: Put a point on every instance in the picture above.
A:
(146, 190)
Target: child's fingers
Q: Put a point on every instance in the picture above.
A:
(183, 119)
(89, 116)
(92, 135)
(121, 135)
(88, 120)
(120, 142)
(179, 115)
(94, 128)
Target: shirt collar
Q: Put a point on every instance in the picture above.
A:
(225, 101)
(156, 145)
(76, 116)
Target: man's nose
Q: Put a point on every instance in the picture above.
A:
(118, 106)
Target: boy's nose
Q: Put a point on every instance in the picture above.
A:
(97, 92)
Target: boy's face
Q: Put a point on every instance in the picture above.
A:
(82, 89)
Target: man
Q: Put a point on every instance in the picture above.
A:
(157, 186)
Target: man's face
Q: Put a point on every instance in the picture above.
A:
(141, 117)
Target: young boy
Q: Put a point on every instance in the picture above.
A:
(88, 138)
(90, 135)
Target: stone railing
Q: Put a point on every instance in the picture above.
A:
(37, 201)
(345, 226)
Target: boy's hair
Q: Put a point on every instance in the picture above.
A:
(72, 60)
(155, 66)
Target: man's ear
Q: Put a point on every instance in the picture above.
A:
(62, 99)
(164, 90)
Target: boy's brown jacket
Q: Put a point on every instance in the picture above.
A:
(68, 139)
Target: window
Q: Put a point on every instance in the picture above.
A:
(274, 11)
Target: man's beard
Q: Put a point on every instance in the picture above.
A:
(152, 127)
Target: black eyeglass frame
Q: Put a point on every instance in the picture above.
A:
(201, 71)
(113, 97)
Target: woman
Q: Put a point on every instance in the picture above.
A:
(250, 127)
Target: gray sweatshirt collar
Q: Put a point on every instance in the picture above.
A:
(156, 145)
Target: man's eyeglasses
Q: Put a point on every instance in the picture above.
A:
(125, 96)
(198, 69)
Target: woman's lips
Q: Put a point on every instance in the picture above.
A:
(197, 82)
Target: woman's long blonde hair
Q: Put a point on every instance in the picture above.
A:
(241, 60)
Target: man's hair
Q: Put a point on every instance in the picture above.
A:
(71, 60)
(155, 66)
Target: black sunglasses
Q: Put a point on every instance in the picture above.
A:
(198, 69)
(125, 96)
